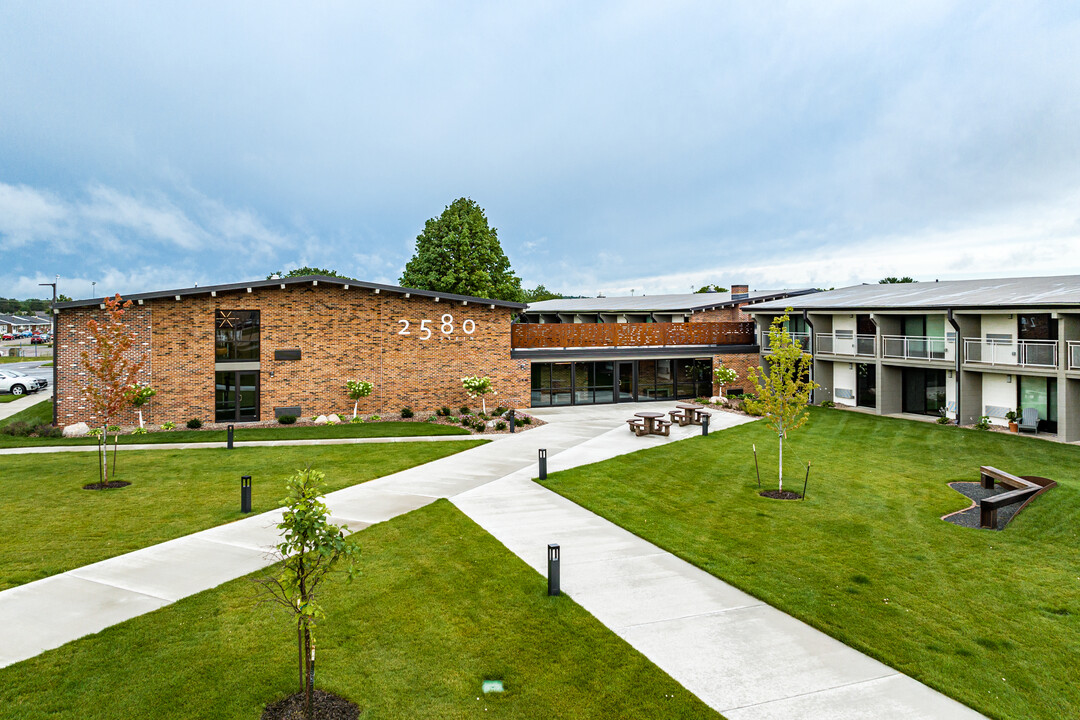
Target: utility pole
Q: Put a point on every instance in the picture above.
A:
(55, 345)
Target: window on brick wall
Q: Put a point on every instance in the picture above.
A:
(236, 335)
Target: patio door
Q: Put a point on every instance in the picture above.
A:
(236, 396)
(627, 391)
(866, 385)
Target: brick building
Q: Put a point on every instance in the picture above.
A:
(599, 350)
(245, 351)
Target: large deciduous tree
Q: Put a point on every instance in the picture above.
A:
(782, 393)
(459, 253)
(310, 549)
(110, 369)
(305, 272)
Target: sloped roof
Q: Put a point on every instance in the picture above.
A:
(1055, 291)
(684, 302)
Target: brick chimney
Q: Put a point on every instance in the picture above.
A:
(740, 292)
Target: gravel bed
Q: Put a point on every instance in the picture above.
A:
(976, 492)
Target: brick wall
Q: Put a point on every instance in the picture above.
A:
(342, 335)
(740, 362)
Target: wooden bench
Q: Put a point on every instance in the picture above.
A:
(988, 507)
(637, 426)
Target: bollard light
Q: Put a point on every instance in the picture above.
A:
(704, 425)
(229, 435)
(245, 493)
(513, 421)
(553, 569)
(543, 464)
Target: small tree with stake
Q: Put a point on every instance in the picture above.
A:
(110, 370)
(138, 395)
(783, 393)
(311, 548)
(358, 389)
(478, 387)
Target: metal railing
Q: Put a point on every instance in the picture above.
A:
(802, 339)
(1025, 353)
(1074, 354)
(846, 344)
(917, 347)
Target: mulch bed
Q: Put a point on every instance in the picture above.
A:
(327, 706)
(111, 485)
(976, 492)
(780, 494)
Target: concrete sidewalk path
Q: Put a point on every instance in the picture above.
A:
(744, 658)
(15, 406)
(50, 612)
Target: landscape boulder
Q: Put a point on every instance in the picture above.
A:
(321, 420)
(79, 429)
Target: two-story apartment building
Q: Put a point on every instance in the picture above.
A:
(638, 348)
(963, 348)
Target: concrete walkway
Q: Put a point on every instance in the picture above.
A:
(15, 406)
(741, 656)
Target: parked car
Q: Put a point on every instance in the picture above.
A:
(39, 340)
(7, 336)
(17, 383)
(25, 334)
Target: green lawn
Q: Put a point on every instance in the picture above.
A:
(8, 398)
(50, 524)
(439, 607)
(6, 359)
(989, 618)
(42, 413)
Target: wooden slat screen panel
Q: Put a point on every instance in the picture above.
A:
(591, 335)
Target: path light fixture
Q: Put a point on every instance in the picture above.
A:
(513, 422)
(704, 425)
(245, 493)
(543, 464)
(229, 435)
(553, 569)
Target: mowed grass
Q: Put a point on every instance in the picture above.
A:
(989, 618)
(41, 413)
(50, 524)
(8, 398)
(440, 606)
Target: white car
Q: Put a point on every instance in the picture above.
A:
(17, 383)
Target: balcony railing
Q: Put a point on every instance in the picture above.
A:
(1025, 353)
(917, 347)
(846, 344)
(1074, 354)
(802, 339)
(596, 335)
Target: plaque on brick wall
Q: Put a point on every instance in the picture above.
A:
(287, 354)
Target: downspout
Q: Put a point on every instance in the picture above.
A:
(809, 324)
(957, 359)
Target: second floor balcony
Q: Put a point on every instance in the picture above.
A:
(1022, 353)
(802, 339)
(917, 347)
(847, 344)
(1074, 355)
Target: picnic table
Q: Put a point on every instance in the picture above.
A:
(690, 414)
(651, 423)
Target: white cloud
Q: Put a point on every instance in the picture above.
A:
(27, 214)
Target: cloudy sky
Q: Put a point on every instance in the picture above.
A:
(645, 145)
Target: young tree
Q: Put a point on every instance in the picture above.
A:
(724, 376)
(782, 393)
(458, 253)
(478, 387)
(310, 549)
(110, 369)
(138, 395)
(358, 389)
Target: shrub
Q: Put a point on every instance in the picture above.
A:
(406, 412)
(828, 404)
(519, 422)
(984, 423)
(943, 420)
(526, 419)
(444, 411)
(356, 420)
(21, 429)
(286, 419)
(94, 432)
(479, 426)
(313, 418)
(168, 425)
(374, 418)
(466, 421)
(331, 422)
(433, 418)
(194, 424)
(114, 428)
(500, 410)
(48, 431)
(500, 425)
(139, 431)
(464, 409)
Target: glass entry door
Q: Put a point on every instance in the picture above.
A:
(1040, 393)
(236, 396)
(626, 382)
(866, 385)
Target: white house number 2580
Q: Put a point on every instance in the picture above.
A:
(446, 327)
